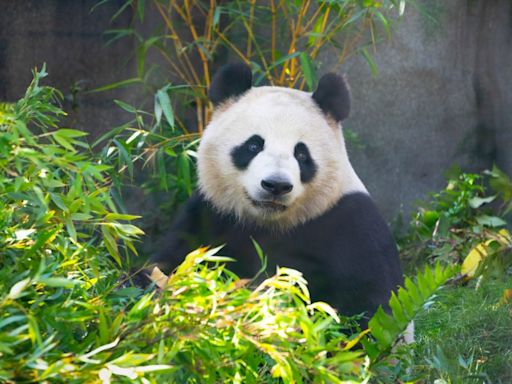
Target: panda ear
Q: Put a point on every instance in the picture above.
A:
(333, 96)
(231, 80)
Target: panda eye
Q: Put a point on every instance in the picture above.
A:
(301, 156)
(254, 147)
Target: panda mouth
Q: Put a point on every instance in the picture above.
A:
(269, 205)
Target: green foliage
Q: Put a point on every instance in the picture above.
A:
(66, 317)
(279, 39)
(211, 328)
(151, 154)
(59, 236)
(464, 337)
(404, 305)
(470, 212)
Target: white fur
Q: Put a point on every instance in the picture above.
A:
(283, 117)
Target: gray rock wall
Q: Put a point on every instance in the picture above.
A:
(443, 95)
(70, 39)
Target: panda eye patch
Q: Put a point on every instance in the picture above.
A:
(306, 163)
(243, 154)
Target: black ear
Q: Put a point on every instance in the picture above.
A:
(333, 96)
(230, 81)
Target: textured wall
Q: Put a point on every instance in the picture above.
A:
(443, 95)
(70, 39)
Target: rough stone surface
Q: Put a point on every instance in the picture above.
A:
(70, 39)
(443, 97)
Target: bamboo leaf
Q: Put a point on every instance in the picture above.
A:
(165, 103)
(308, 70)
(127, 107)
(119, 84)
(491, 221)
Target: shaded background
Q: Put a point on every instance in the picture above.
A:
(443, 95)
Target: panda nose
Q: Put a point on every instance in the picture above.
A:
(277, 187)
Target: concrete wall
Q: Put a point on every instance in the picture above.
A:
(70, 39)
(443, 95)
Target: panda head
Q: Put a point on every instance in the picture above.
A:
(275, 156)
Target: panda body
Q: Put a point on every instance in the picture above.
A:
(273, 167)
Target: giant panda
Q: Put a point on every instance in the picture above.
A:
(273, 167)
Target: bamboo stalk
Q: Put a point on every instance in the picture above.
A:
(259, 52)
(249, 28)
(195, 36)
(233, 47)
(181, 51)
(181, 55)
(273, 38)
(291, 65)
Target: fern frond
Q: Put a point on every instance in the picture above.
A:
(386, 328)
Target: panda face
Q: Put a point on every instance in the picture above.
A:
(273, 172)
(272, 157)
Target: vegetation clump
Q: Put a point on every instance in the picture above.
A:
(67, 316)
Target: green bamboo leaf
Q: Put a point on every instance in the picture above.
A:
(18, 288)
(34, 332)
(491, 221)
(119, 84)
(120, 216)
(308, 70)
(57, 198)
(216, 16)
(141, 6)
(111, 244)
(275, 64)
(121, 9)
(70, 133)
(64, 141)
(103, 327)
(58, 282)
(184, 172)
(165, 103)
(127, 107)
(43, 237)
(21, 127)
(384, 21)
(370, 61)
(70, 227)
(158, 110)
(140, 308)
(125, 155)
(78, 216)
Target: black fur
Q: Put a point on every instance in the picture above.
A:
(231, 80)
(306, 163)
(243, 154)
(333, 96)
(348, 254)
